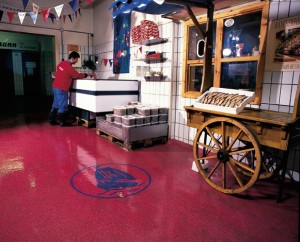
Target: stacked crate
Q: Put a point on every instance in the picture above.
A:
(135, 123)
(138, 115)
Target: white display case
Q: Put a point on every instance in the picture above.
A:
(101, 95)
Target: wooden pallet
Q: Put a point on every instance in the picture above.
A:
(133, 144)
(86, 123)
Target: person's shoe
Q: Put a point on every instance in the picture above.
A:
(65, 124)
(52, 123)
(52, 117)
(63, 120)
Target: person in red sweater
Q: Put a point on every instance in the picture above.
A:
(65, 73)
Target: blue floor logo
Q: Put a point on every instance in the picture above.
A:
(111, 180)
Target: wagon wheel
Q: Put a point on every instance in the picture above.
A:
(223, 157)
(268, 165)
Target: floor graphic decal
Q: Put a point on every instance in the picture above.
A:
(111, 180)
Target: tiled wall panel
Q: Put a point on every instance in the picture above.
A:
(279, 88)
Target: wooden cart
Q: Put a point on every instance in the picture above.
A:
(231, 150)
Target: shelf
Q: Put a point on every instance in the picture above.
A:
(154, 41)
(152, 60)
(155, 78)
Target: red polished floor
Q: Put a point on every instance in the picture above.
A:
(52, 188)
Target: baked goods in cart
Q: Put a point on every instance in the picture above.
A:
(224, 100)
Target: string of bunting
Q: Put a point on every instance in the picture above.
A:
(105, 61)
(44, 11)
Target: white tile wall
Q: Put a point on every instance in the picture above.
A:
(279, 88)
(278, 92)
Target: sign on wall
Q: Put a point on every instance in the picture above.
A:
(283, 45)
(15, 44)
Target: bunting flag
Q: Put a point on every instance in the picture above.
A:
(1, 14)
(25, 2)
(141, 49)
(58, 9)
(73, 5)
(45, 13)
(21, 16)
(35, 8)
(105, 61)
(33, 16)
(10, 16)
(52, 17)
(110, 62)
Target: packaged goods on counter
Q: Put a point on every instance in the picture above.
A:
(144, 111)
(120, 110)
(153, 110)
(163, 110)
(130, 110)
(117, 119)
(128, 121)
(138, 115)
(162, 118)
(154, 119)
(147, 120)
(139, 120)
(110, 117)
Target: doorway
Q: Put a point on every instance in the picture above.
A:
(6, 74)
(25, 63)
(31, 74)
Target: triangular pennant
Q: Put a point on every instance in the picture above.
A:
(25, 2)
(10, 16)
(74, 4)
(35, 8)
(70, 17)
(33, 16)
(52, 17)
(105, 61)
(110, 62)
(141, 48)
(64, 18)
(79, 11)
(58, 9)
(45, 13)
(1, 14)
(21, 16)
(89, 1)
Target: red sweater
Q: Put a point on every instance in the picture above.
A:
(65, 73)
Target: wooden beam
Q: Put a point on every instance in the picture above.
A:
(207, 77)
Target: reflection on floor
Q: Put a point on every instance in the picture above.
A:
(68, 184)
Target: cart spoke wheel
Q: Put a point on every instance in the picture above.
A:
(227, 155)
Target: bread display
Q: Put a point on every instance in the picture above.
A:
(223, 99)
